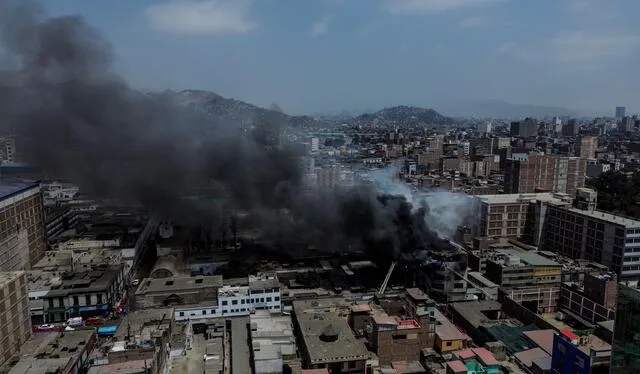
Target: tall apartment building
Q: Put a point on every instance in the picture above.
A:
(621, 111)
(544, 173)
(7, 150)
(524, 129)
(570, 128)
(22, 235)
(581, 231)
(588, 147)
(15, 318)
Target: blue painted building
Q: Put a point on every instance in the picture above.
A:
(574, 354)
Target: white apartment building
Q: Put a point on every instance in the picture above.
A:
(197, 298)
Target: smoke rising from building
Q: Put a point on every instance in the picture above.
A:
(79, 120)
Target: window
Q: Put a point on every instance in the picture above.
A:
(181, 314)
(76, 301)
(87, 299)
(262, 299)
(168, 283)
(277, 298)
(204, 312)
(224, 302)
(268, 299)
(199, 280)
(234, 302)
(99, 298)
(448, 344)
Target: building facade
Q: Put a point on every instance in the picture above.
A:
(588, 147)
(22, 235)
(544, 173)
(15, 318)
(626, 337)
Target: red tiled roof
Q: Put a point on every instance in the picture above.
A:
(464, 354)
(485, 356)
(457, 366)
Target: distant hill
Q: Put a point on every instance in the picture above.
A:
(501, 109)
(231, 110)
(403, 116)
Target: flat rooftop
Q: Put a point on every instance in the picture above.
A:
(8, 277)
(345, 347)
(86, 281)
(608, 217)
(173, 284)
(144, 322)
(9, 188)
(525, 198)
(472, 311)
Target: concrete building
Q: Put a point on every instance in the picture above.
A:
(571, 128)
(22, 236)
(326, 340)
(621, 111)
(513, 268)
(15, 318)
(273, 343)
(573, 354)
(544, 173)
(7, 150)
(513, 215)
(64, 353)
(83, 294)
(524, 129)
(591, 302)
(581, 231)
(588, 147)
(204, 297)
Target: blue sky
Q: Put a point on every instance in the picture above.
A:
(330, 55)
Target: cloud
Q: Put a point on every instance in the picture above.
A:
(203, 17)
(321, 26)
(474, 21)
(434, 6)
(596, 10)
(578, 49)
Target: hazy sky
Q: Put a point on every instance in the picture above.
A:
(321, 55)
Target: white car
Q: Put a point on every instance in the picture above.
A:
(46, 326)
(135, 282)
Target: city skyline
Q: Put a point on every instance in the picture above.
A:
(334, 55)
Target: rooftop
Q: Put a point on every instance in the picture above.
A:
(525, 198)
(328, 338)
(143, 324)
(10, 188)
(175, 284)
(527, 357)
(473, 311)
(9, 276)
(608, 217)
(87, 281)
(541, 338)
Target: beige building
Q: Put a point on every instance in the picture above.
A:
(544, 173)
(588, 147)
(15, 319)
(22, 235)
(512, 215)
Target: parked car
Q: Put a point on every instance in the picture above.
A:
(74, 322)
(94, 321)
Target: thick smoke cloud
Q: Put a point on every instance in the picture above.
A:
(79, 120)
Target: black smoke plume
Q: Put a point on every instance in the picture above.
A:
(79, 120)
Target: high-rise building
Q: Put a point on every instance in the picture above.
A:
(544, 173)
(7, 150)
(621, 111)
(588, 147)
(627, 124)
(524, 129)
(626, 335)
(15, 316)
(581, 231)
(570, 128)
(485, 127)
(315, 144)
(22, 235)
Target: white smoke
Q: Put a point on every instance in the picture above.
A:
(446, 210)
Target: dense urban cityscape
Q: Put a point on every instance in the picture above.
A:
(537, 270)
(180, 231)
